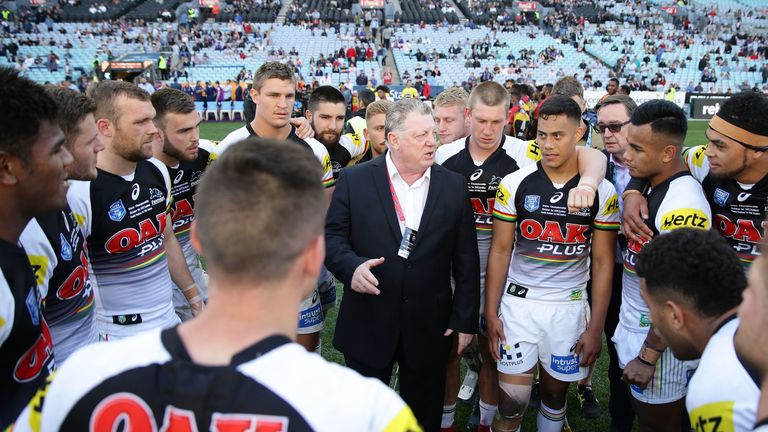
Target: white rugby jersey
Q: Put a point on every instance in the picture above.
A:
(739, 210)
(350, 149)
(151, 382)
(722, 395)
(551, 255)
(317, 148)
(123, 222)
(678, 202)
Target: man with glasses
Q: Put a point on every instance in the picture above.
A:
(613, 117)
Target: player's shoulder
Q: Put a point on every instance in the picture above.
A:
(685, 189)
(353, 142)
(523, 152)
(316, 146)
(606, 189)
(446, 151)
(517, 177)
(233, 137)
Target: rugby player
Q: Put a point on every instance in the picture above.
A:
(484, 158)
(657, 380)
(450, 116)
(186, 156)
(732, 169)
(613, 115)
(325, 111)
(33, 164)
(692, 281)
(125, 213)
(274, 91)
(234, 366)
(375, 115)
(54, 242)
(536, 307)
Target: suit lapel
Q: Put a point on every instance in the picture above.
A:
(433, 193)
(381, 182)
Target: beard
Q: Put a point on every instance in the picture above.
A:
(129, 149)
(179, 155)
(328, 137)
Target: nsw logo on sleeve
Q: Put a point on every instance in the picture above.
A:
(721, 197)
(117, 211)
(532, 202)
(66, 249)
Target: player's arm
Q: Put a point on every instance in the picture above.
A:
(179, 269)
(502, 241)
(592, 165)
(640, 370)
(603, 254)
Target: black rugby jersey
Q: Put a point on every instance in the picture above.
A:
(26, 349)
(739, 211)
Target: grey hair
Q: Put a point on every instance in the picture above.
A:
(396, 115)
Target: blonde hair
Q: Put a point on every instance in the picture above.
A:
(378, 107)
(454, 96)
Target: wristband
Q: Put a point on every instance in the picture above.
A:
(189, 288)
(195, 300)
(629, 192)
(645, 344)
(648, 355)
(645, 362)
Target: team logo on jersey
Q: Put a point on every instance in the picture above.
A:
(721, 197)
(476, 175)
(178, 177)
(117, 211)
(494, 183)
(66, 249)
(502, 195)
(556, 197)
(743, 196)
(532, 202)
(699, 156)
(612, 206)
(196, 177)
(135, 191)
(156, 195)
(645, 321)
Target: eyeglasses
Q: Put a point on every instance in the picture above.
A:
(613, 127)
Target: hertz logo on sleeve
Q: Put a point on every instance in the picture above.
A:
(39, 265)
(502, 194)
(716, 416)
(533, 152)
(684, 218)
(612, 206)
(698, 155)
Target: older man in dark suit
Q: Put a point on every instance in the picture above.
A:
(398, 228)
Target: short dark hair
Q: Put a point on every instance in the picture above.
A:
(747, 110)
(697, 266)
(560, 105)
(616, 80)
(626, 88)
(271, 70)
(73, 107)
(325, 94)
(26, 105)
(383, 88)
(568, 86)
(168, 100)
(270, 196)
(366, 97)
(665, 118)
(106, 93)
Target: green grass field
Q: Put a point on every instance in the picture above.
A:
(218, 130)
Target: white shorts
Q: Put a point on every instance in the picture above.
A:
(311, 318)
(542, 332)
(669, 382)
(109, 330)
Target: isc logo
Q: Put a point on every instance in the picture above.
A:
(684, 218)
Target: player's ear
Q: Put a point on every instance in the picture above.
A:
(104, 127)
(308, 115)
(675, 314)
(7, 162)
(365, 134)
(669, 154)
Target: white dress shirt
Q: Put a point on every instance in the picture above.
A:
(412, 198)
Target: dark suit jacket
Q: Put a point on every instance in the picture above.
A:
(416, 302)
